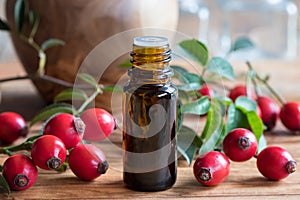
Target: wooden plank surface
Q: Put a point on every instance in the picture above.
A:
(244, 181)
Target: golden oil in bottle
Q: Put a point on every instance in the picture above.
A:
(149, 114)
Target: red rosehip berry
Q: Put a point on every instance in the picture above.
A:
(269, 111)
(20, 172)
(99, 124)
(48, 152)
(240, 145)
(87, 162)
(67, 127)
(205, 90)
(240, 90)
(211, 168)
(12, 126)
(275, 163)
(290, 116)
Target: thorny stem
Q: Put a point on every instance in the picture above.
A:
(265, 82)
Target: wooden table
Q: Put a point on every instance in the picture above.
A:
(244, 181)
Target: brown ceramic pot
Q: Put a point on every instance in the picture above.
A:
(83, 24)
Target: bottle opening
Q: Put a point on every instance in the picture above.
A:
(150, 41)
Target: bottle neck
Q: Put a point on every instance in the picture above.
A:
(150, 65)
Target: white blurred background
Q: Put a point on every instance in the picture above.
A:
(196, 20)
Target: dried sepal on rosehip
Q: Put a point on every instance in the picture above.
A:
(275, 163)
(48, 152)
(87, 161)
(240, 145)
(211, 168)
(20, 172)
(68, 128)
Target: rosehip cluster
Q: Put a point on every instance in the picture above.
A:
(270, 111)
(240, 145)
(62, 135)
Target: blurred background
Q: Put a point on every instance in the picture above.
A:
(273, 25)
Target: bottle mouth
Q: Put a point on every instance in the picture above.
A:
(150, 41)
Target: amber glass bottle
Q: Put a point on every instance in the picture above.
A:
(149, 114)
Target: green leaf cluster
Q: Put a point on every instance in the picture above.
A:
(223, 115)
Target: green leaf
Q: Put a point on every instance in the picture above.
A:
(4, 26)
(199, 107)
(179, 115)
(184, 96)
(196, 50)
(236, 118)
(242, 43)
(51, 110)
(71, 94)
(225, 100)
(189, 87)
(179, 70)
(89, 79)
(4, 185)
(34, 22)
(217, 135)
(51, 43)
(256, 124)
(19, 14)
(221, 67)
(179, 73)
(187, 143)
(246, 103)
(214, 128)
(112, 88)
(126, 64)
(191, 82)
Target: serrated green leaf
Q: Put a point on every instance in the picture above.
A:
(19, 14)
(221, 67)
(89, 79)
(246, 103)
(51, 43)
(256, 124)
(4, 26)
(71, 94)
(126, 64)
(199, 107)
(213, 141)
(242, 43)
(187, 143)
(236, 118)
(213, 127)
(51, 110)
(196, 50)
(4, 185)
